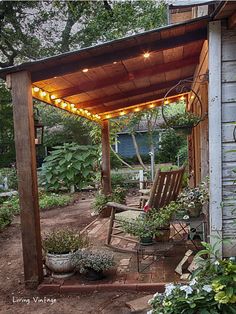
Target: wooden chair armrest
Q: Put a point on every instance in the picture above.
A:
(122, 207)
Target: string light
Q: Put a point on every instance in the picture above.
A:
(36, 89)
(166, 102)
(146, 55)
(151, 106)
(63, 105)
(43, 93)
(85, 70)
(122, 113)
(58, 101)
(137, 109)
(53, 97)
(182, 98)
(192, 97)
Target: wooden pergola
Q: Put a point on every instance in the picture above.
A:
(101, 82)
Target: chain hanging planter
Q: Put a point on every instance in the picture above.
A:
(182, 122)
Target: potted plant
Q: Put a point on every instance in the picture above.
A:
(59, 246)
(192, 199)
(93, 263)
(155, 222)
(183, 122)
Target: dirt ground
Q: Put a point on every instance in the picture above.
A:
(14, 298)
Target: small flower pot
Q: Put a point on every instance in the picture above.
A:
(183, 130)
(93, 275)
(60, 265)
(195, 211)
(146, 240)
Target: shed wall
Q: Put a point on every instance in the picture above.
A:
(228, 142)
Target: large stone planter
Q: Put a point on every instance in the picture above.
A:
(60, 265)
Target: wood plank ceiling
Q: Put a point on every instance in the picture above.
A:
(121, 76)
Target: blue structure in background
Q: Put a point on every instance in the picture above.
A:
(125, 146)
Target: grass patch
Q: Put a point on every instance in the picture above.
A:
(10, 207)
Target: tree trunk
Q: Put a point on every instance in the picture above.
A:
(120, 159)
(137, 152)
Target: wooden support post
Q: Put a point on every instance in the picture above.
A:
(106, 169)
(27, 177)
(204, 132)
(215, 143)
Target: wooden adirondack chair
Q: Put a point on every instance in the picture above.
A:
(166, 187)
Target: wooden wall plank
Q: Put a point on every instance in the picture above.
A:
(228, 45)
(27, 177)
(229, 112)
(229, 92)
(229, 71)
(227, 132)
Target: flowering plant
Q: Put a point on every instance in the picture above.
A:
(193, 197)
(212, 290)
(97, 260)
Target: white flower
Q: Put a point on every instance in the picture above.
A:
(187, 289)
(217, 263)
(186, 217)
(193, 282)
(149, 312)
(207, 288)
(156, 294)
(150, 301)
(169, 288)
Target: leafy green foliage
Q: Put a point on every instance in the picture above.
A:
(68, 165)
(7, 146)
(170, 145)
(63, 241)
(10, 173)
(149, 224)
(212, 289)
(118, 196)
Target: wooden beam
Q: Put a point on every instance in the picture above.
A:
(232, 21)
(99, 102)
(27, 177)
(119, 55)
(215, 143)
(106, 168)
(129, 103)
(121, 79)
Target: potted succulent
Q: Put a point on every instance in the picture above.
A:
(93, 263)
(59, 246)
(192, 199)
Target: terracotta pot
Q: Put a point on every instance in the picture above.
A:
(60, 265)
(164, 236)
(195, 211)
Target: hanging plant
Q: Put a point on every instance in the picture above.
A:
(182, 121)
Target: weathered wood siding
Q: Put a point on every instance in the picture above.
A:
(228, 142)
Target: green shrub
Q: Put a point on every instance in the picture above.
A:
(122, 180)
(48, 200)
(69, 165)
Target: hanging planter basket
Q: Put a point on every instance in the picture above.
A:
(182, 123)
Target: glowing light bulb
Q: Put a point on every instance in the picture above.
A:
(192, 97)
(166, 102)
(146, 55)
(63, 105)
(182, 98)
(115, 62)
(85, 70)
(58, 101)
(122, 113)
(43, 93)
(53, 97)
(108, 116)
(151, 106)
(137, 109)
(36, 89)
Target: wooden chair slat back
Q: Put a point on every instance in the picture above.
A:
(166, 187)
